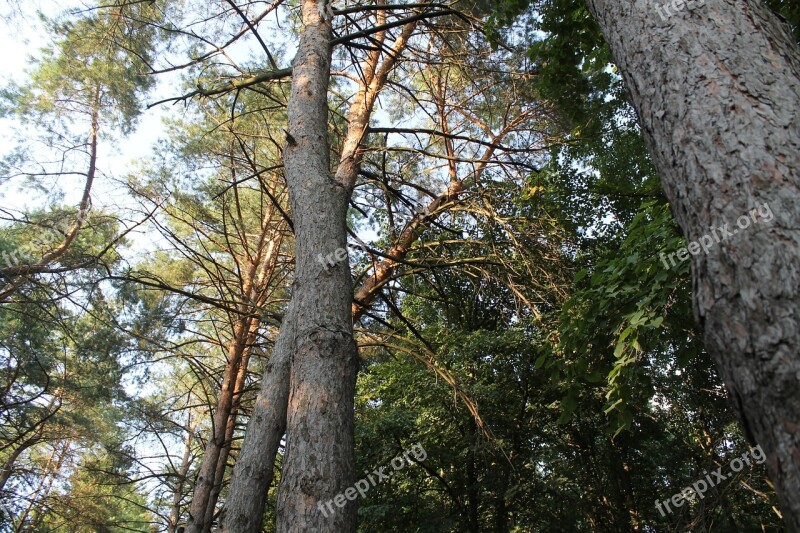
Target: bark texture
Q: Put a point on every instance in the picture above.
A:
(717, 90)
(315, 351)
(319, 462)
(316, 338)
(253, 473)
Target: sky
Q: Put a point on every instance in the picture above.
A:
(21, 39)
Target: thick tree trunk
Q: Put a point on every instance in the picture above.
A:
(316, 338)
(319, 462)
(717, 90)
(322, 377)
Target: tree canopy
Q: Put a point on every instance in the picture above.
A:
(507, 228)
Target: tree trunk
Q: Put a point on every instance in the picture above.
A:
(717, 90)
(319, 462)
(316, 338)
(222, 461)
(199, 514)
(252, 475)
(186, 463)
(315, 351)
(254, 292)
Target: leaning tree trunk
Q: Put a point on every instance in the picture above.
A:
(254, 289)
(717, 91)
(252, 475)
(201, 509)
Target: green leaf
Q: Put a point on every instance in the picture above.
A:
(612, 406)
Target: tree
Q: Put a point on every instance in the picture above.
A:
(317, 328)
(492, 179)
(555, 459)
(315, 347)
(458, 113)
(675, 116)
(228, 259)
(64, 403)
(62, 353)
(715, 88)
(94, 80)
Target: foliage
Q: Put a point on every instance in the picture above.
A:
(529, 336)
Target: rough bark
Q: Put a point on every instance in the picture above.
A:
(316, 338)
(319, 461)
(717, 90)
(253, 473)
(314, 331)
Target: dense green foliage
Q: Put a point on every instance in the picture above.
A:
(533, 341)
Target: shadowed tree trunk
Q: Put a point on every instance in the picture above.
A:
(252, 475)
(717, 91)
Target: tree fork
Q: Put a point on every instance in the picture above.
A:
(316, 339)
(253, 472)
